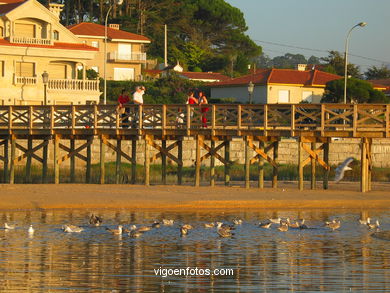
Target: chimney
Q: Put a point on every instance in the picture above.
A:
(301, 67)
(56, 9)
(114, 26)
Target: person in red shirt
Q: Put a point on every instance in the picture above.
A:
(191, 99)
(124, 111)
(203, 102)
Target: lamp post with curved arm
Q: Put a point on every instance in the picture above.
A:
(361, 24)
(118, 2)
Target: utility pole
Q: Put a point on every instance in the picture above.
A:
(165, 45)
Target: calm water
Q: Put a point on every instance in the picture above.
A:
(262, 260)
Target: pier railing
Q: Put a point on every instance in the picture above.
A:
(361, 120)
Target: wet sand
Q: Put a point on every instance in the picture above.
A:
(78, 196)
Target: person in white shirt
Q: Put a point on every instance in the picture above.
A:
(138, 95)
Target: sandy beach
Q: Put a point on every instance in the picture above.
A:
(76, 196)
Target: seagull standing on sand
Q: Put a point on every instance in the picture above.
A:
(342, 168)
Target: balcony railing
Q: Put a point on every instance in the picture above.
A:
(116, 56)
(30, 41)
(25, 80)
(73, 85)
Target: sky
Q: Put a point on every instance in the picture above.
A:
(321, 25)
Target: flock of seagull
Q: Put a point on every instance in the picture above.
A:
(224, 230)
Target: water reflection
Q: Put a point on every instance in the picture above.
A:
(262, 260)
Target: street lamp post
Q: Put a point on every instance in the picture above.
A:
(45, 80)
(251, 88)
(119, 2)
(361, 24)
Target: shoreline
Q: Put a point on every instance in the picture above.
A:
(189, 198)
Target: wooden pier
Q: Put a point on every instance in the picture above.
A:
(260, 126)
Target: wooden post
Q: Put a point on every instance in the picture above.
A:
(261, 166)
(363, 178)
(102, 160)
(313, 167)
(326, 160)
(300, 165)
(29, 159)
(44, 163)
(164, 162)
(180, 158)
(118, 160)
(197, 162)
(56, 159)
(275, 169)
(72, 160)
(133, 160)
(369, 165)
(212, 164)
(247, 163)
(89, 158)
(147, 161)
(6, 161)
(227, 165)
(12, 163)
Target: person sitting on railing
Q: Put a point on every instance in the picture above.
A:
(202, 102)
(138, 100)
(124, 100)
(180, 118)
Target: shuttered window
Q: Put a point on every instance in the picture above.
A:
(25, 69)
(57, 71)
(25, 30)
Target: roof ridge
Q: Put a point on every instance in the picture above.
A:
(269, 75)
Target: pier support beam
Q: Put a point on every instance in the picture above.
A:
(133, 161)
(180, 163)
(56, 159)
(227, 159)
(313, 168)
(366, 165)
(261, 166)
(212, 164)
(5, 159)
(199, 141)
(326, 160)
(118, 161)
(102, 160)
(88, 161)
(147, 160)
(29, 159)
(247, 163)
(45, 154)
(163, 163)
(72, 161)
(275, 166)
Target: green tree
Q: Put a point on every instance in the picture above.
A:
(377, 72)
(335, 63)
(358, 91)
(289, 60)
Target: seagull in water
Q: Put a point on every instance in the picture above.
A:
(72, 229)
(8, 226)
(31, 230)
(342, 168)
(95, 220)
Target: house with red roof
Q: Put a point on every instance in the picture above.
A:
(125, 50)
(32, 42)
(273, 86)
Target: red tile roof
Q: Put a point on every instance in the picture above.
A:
(94, 29)
(57, 45)
(5, 8)
(282, 76)
(152, 71)
(205, 75)
(383, 82)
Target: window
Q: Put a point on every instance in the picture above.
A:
(25, 69)
(95, 44)
(284, 96)
(307, 96)
(56, 35)
(124, 51)
(123, 73)
(57, 71)
(25, 30)
(96, 68)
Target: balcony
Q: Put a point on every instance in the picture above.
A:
(131, 57)
(73, 85)
(30, 41)
(25, 80)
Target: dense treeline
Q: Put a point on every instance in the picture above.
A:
(203, 35)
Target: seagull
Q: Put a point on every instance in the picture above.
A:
(95, 220)
(116, 231)
(365, 222)
(373, 226)
(283, 226)
(144, 229)
(167, 222)
(183, 231)
(72, 229)
(31, 230)
(237, 221)
(342, 168)
(135, 233)
(187, 226)
(224, 232)
(334, 225)
(225, 226)
(8, 226)
(132, 228)
(265, 225)
(275, 220)
(209, 225)
(156, 224)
